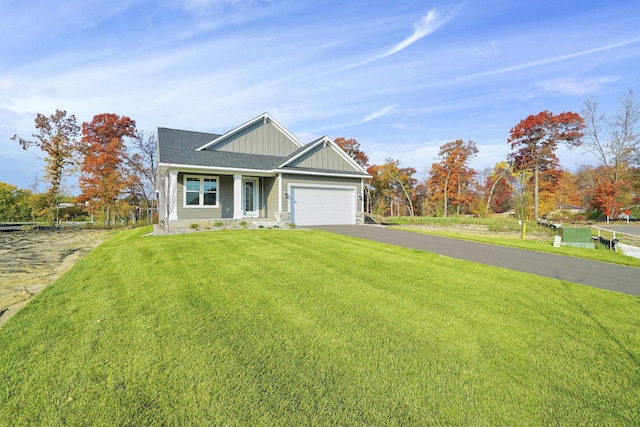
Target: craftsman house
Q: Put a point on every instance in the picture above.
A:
(258, 171)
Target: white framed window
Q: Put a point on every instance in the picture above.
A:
(200, 191)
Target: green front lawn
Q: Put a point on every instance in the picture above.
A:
(298, 327)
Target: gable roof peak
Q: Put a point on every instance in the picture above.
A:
(326, 142)
(265, 118)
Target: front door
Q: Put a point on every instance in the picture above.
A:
(251, 198)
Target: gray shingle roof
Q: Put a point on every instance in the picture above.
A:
(174, 144)
(179, 147)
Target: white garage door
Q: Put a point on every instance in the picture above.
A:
(322, 206)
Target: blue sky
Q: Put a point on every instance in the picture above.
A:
(402, 77)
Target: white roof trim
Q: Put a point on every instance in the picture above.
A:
(272, 172)
(265, 118)
(182, 168)
(325, 140)
(343, 175)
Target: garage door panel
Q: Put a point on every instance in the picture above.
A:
(322, 206)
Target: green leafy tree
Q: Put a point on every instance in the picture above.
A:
(17, 205)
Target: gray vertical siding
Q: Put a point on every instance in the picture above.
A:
(323, 158)
(260, 138)
(226, 196)
(270, 193)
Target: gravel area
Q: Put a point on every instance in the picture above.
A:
(31, 260)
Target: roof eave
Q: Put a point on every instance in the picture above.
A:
(164, 166)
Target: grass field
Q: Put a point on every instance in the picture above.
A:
(299, 327)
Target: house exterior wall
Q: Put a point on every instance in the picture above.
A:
(323, 158)
(269, 197)
(225, 201)
(206, 216)
(260, 138)
(290, 179)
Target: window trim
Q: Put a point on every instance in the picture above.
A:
(201, 192)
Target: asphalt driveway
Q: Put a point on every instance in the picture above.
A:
(586, 272)
(633, 229)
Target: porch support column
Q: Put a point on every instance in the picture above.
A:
(279, 192)
(172, 194)
(237, 196)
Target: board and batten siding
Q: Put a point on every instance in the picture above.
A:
(260, 138)
(270, 193)
(323, 158)
(318, 181)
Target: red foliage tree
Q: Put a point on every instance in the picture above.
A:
(498, 189)
(608, 194)
(352, 147)
(104, 169)
(535, 139)
(615, 141)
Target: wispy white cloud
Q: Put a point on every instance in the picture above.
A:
(425, 26)
(207, 5)
(541, 62)
(567, 86)
(377, 114)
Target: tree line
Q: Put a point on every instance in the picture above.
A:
(116, 167)
(114, 161)
(529, 182)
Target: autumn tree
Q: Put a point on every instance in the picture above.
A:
(422, 198)
(57, 138)
(615, 142)
(584, 181)
(535, 140)
(565, 191)
(451, 177)
(390, 183)
(105, 172)
(609, 195)
(352, 147)
(551, 196)
(498, 189)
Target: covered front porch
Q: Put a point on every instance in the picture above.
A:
(211, 197)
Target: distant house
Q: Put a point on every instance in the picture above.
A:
(565, 209)
(259, 171)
